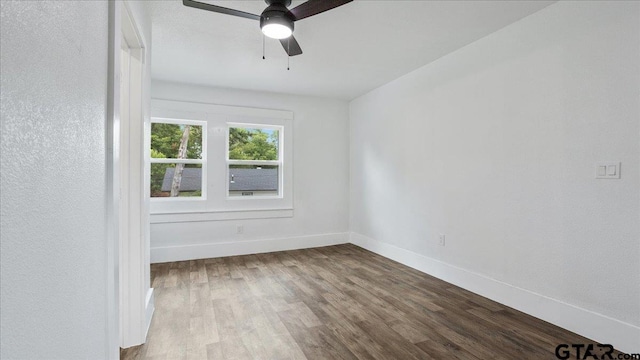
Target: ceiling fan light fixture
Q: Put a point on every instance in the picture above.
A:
(275, 23)
(276, 31)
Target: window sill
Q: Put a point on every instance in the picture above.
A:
(199, 216)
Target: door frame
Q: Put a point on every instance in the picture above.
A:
(130, 298)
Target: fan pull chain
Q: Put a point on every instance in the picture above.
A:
(288, 52)
(263, 47)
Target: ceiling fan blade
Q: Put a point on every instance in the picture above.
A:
(219, 9)
(315, 7)
(291, 46)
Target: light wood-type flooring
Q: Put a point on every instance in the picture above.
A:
(337, 302)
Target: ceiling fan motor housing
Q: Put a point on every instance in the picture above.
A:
(286, 3)
(276, 13)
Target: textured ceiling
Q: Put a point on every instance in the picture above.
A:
(348, 51)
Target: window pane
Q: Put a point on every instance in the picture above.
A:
(252, 180)
(253, 144)
(176, 141)
(186, 180)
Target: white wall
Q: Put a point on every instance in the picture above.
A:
(53, 239)
(495, 146)
(321, 181)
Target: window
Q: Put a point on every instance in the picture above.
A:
(178, 158)
(211, 162)
(254, 162)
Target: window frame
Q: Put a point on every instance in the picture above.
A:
(202, 161)
(218, 205)
(279, 162)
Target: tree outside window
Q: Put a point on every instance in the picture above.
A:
(176, 159)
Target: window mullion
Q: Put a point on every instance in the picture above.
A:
(254, 162)
(176, 161)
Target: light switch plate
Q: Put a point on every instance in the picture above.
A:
(608, 170)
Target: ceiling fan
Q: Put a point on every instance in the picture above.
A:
(276, 21)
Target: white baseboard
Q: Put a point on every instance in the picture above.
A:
(232, 248)
(602, 329)
(149, 309)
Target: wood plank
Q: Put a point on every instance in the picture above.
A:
(336, 302)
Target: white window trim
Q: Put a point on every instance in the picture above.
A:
(202, 160)
(218, 205)
(163, 218)
(279, 162)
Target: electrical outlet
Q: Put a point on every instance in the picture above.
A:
(441, 239)
(239, 229)
(608, 170)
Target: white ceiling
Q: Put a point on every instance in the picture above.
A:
(348, 51)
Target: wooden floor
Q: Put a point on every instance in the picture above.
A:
(338, 302)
